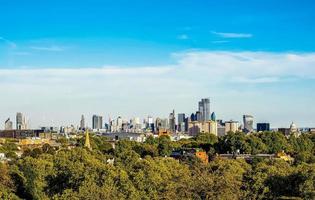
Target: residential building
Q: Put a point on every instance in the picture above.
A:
(231, 126)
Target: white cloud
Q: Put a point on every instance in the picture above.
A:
(9, 42)
(239, 82)
(232, 35)
(183, 37)
(219, 41)
(48, 48)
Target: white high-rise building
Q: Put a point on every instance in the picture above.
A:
(21, 123)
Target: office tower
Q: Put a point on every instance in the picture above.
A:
(248, 121)
(186, 123)
(82, 123)
(204, 109)
(20, 121)
(181, 122)
(198, 116)
(193, 117)
(97, 122)
(263, 127)
(231, 126)
(8, 125)
(119, 123)
(172, 122)
(161, 124)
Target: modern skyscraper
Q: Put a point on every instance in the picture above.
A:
(248, 121)
(204, 109)
(20, 121)
(8, 125)
(82, 123)
(97, 122)
(181, 122)
(172, 122)
(213, 117)
(263, 127)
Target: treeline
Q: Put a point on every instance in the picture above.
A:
(145, 170)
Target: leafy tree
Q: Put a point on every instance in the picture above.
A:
(233, 142)
(275, 142)
(164, 145)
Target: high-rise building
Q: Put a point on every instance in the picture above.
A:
(97, 122)
(204, 109)
(161, 124)
(20, 121)
(82, 123)
(231, 126)
(172, 122)
(8, 125)
(248, 121)
(263, 127)
(181, 122)
(213, 117)
(193, 117)
(119, 123)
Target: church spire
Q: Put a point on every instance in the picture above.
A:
(87, 140)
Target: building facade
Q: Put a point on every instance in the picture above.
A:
(204, 109)
(263, 127)
(97, 122)
(248, 121)
(231, 126)
(8, 125)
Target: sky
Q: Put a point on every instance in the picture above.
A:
(60, 59)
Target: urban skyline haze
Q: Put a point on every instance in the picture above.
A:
(139, 58)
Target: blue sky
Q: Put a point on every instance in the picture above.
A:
(245, 55)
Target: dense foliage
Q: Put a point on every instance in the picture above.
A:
(145, 170)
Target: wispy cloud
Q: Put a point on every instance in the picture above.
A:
(9, 42)
(220, 41)
(183, 37)
(21, 53)
(235, 79)
(232, 35)
(47, 48)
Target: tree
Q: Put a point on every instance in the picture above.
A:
(164, 145)
(233, 142)
(275, 142)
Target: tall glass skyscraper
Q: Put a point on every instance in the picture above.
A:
(204, 109)
(97, 122)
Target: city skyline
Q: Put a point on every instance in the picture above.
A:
(139, 58)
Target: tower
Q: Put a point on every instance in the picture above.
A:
(82, 123)
(204, 109)
(87, 143)
(248, 121)
(20, 122)
(172, 122)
